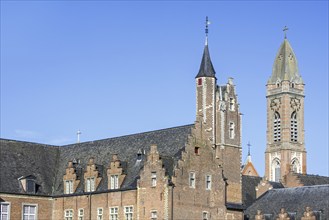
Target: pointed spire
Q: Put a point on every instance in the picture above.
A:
(206, 67)
(285, 65)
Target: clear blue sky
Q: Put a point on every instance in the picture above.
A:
(113, 68)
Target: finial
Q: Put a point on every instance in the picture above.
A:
(78, 134)
(206, 30)
(248, 148)
(285, 31)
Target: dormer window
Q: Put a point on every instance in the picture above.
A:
(154, 179)
(90, 185)
(68, 186)
(30, 186)
(114, 182)
(28, 183)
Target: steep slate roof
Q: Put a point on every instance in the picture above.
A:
(206, 67)
(285, 65)
(293, 200)
(310, 180)
(19, 159)
(249, 184)
(48, 163)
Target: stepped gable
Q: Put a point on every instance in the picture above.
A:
(170, 142)
(294, 200)
(21, 159)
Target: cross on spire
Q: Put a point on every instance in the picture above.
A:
(285, 29)
(249, 145)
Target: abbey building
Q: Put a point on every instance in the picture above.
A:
(186, 172)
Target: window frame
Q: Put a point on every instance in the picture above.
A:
(114, 178)
(293, 127)
(205, 215)
(100, 213)
(29, 214)
(231, 130)
(81, 216)
(70, 216)
(129, 212)
(90, 184)
(153, 179)
(154, 214)
(232, 104)
(192, 179)
(68, 186)
(276, 127)
(208, 182)
(8, 210)
(114, 213)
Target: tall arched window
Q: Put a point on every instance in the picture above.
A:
(276, 170)
(277, 127)
(295, 165)
(293, 127)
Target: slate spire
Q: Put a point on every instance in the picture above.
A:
(285, 65)
(206, 67)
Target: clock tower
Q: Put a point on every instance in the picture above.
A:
(285, 150)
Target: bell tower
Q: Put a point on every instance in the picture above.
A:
(285, 150)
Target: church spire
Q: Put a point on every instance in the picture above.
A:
(206, 67)
(285, 65)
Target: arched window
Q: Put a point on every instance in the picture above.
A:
(277, 127)
(295, 165)
(276, 170)
(293, 127)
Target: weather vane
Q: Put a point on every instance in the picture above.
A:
(206, 30)
(285, 31)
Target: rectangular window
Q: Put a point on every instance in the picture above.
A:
(29, 212)
(68, 187)
(154, 215)
(114, 181)
(129, 212)
(68, 214)
(192, 180)
(199, 81)
(204, 215)
(208, 182)
(80, 214)
(154, 179)
(114, 212)
(100, 214)
(232, 104)
(4, 211)
(90, 184)
(231, 134)
(30, 186)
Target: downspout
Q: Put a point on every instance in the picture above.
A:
(89, 206)
(172, 201)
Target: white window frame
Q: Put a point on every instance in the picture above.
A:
(81, 213)
(205, 215)
(277, 127)
(192, 179)
(68, 186)
(208, 182)
(99, 213)
(128, 212)
(29, 214)
(90, 185)
(8, 210)
(68, 214)
(153, 179)
(114, 181)
(154, 215)
(114, 213)
(276, 170)
(293, 127)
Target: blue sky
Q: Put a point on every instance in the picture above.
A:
(113, 68)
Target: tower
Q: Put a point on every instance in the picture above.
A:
(285, 150)
(218, 123)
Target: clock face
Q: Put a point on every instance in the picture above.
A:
(275, 104)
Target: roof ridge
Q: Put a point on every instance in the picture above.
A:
(29, 142)
(113, 138)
